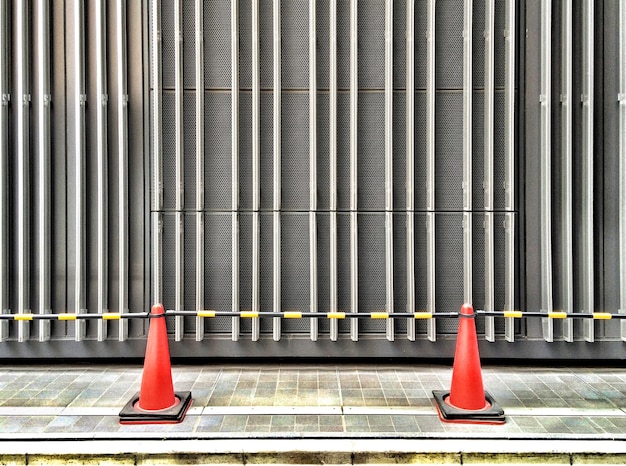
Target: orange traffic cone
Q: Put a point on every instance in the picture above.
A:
(156, 403)
(467, 401)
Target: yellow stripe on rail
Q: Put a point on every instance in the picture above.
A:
(23, 317)
(111, 316)
(513, 314)
(206, 313)
(423, 315)
(602, 315)
(336, 315)
(379, 315)
(292, 315)
(249, 314)
(557, 315)
(67, 317)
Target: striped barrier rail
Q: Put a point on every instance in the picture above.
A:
(301, 315)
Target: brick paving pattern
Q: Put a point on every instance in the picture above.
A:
(287, 401)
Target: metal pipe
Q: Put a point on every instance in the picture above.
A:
(622, 163)
(587, 267)
(4, 167)
(179, 272)
(101, 164)
(467, 152)
(545, 156)
(277, 170)
(567, 271)
(509, 265)
(157, 156)
(256, 163)
(430, 170)
(354, 236)
(334, 328)
(43, 156)
(79, 166)
(122, 151)
(488, 167)
(157, 254)
(199, 13)
(234, 44)
(389, 163)
(23, 168)
(509, 147)
(179, 237)
(199, 273)
(313, 292)
(410, 166)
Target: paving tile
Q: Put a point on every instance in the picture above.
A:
(283, 420)
(209, 423)
(356, 423)
(345, 385)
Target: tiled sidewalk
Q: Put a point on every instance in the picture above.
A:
(296, 401)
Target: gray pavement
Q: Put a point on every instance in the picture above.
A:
(281, 402)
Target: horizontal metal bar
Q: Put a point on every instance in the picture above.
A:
(554, 315)
(329, 315)
(306, 315)
(401, 315)
(73, 316)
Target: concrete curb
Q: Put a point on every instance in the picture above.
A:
(320, 452)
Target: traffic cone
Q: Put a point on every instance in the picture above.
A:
(156, 403)
(467, 401)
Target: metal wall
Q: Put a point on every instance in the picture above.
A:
(316, 156)
(305, 198)
(73, 169)
(574, 166)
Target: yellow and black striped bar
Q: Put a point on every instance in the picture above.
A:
(301, 315)
(71, 316)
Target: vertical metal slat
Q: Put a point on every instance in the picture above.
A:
(354, 237)
(333, 167)
(467, 152)
(488, 170)
(410, 166)
(430, 170)
(43, 156)
(4, 166)
(79, 135)
(545, 156)
(23, 168)
(256, 162)
(277, 171)
(313, 291)
(587, 266)
(389, 163)
(567, 283)
(622, 164)
(509, 188)
(102, 166)
(234, 44)
(179, 236)
(157, 156)
(122, 150)
(199, 13)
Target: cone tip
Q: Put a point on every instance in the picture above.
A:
(467, 309)
(157, 309)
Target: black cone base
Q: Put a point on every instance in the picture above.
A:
(173, 415)
(493, 414)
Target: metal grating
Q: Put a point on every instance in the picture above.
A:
(167, 162)
(295, 162)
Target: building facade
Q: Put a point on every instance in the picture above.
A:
(355, 159)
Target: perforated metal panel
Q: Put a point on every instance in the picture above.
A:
(295, 164)
(175, 224)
